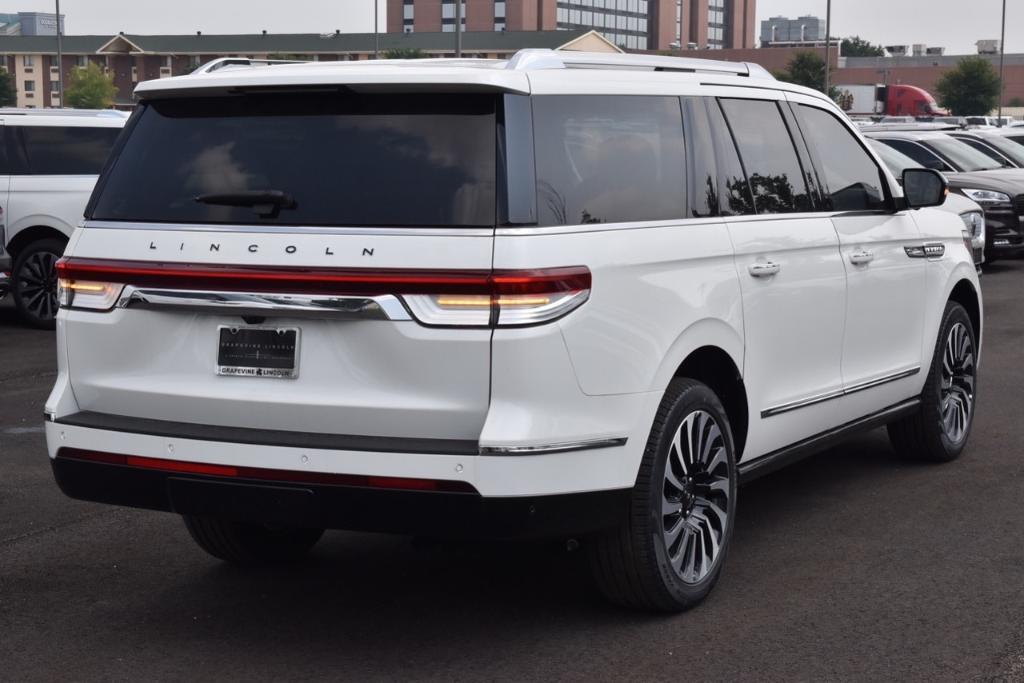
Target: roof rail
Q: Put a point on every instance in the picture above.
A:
(223, 62)
(532, 59)
(85, 113)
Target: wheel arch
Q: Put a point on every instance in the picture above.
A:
(711, 351)
(34, 233)
(965, 294)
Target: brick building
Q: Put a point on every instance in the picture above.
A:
(131, 59)
(630, 24)
(923, 71)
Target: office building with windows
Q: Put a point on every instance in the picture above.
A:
(629, 24)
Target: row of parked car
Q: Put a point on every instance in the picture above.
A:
(49, 161)
(984, 165)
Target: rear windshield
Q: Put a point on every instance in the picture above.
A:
(329, 159)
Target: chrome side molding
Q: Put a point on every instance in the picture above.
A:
(837, 393)
(554, 448)
(382, 307)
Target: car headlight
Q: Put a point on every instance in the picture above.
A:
(987, 196)
(974, 223)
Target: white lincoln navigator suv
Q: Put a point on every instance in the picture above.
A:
(563, 294)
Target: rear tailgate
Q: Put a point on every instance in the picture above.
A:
(399, 187)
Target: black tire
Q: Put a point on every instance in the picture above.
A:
(250, 544)
(926, 435)
(634, 565)
(34, 282)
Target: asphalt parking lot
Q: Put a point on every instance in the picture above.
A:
(849, 565)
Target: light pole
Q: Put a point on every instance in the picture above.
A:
(458, 29)
(60, 59)
(1002, 53)
(376, 29)
(828, 42)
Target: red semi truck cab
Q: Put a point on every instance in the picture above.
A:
(909, 100)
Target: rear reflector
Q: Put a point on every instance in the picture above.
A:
(477, 298)
(264, 474)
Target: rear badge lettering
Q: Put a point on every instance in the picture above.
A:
(257, 248)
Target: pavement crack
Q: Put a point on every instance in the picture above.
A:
(11, 540)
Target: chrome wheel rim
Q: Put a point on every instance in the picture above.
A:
(957, 383)
(37, 285)
(695, 497)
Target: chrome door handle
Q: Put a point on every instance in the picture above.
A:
(764, 269)
(861, 258)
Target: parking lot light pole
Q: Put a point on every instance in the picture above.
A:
(458, 28)
(376, 29)
(60, 59)
(828, 42)
(1002, 54)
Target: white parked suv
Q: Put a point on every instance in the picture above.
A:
(49, 161)
(563, 294)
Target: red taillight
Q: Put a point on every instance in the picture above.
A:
(434, 297)
(264, 474)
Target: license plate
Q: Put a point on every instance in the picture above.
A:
(258, 351)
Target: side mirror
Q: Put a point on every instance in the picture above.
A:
(924, 187)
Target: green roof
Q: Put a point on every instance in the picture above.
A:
(294, 43)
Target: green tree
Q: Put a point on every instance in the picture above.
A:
(90, 88)
(806, 69)
(858, 47)
(970, 88)
(8, 90)
(405, 53)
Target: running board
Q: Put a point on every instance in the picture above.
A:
(784, 456)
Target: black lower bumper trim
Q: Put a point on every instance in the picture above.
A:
(428, 513)
(269, 437)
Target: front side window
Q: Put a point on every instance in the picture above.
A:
(768, 155)
(608, 159)
(318, 159)
(851, 178)
(59, 150)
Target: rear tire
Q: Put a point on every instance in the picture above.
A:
(938, 431)
(668, 555)
(250, 544)
(34, 282)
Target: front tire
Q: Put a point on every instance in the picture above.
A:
(34, 282)
(938, 431)
(668, 555)
(250, 544)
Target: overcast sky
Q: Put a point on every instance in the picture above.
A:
(955, 24)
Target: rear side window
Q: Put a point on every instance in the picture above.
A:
(919, 154)
(768, 156)
(339, 159)
(608, 159)
(851, 177)
(60, 150)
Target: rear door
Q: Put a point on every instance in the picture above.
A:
(791, 274)
(357, 198)
(885, 286)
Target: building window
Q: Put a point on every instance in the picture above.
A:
(28, 60)
(82, 61)
(448, 16)
(30, 86)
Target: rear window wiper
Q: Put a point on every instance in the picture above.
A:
(266, 203)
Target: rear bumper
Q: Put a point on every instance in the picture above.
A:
(304, 504)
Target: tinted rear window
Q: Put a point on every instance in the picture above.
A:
(376, 160)
(59, 150)
(608, 159)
